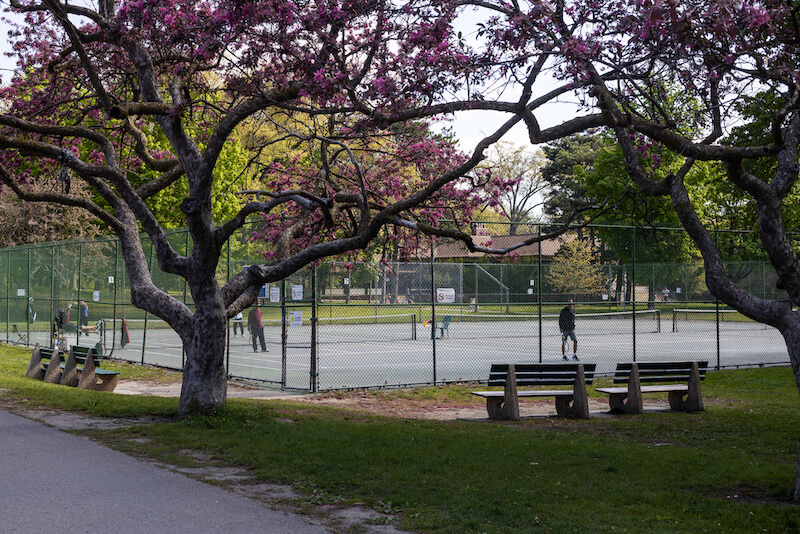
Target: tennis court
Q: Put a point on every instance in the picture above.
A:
(492, 307)
(397, 350)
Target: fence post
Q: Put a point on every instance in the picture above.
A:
(8, 295)
(433, 312)
(716, 304)
(539, 289)
(116, 284)
(80, 281)
(314, 352)
(28, 318)
(284, 332)
(227, 323)
(146, 314)
(633, 292)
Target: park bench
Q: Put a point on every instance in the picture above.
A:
(571, 402)
(680, 380)
(82, 369)
(39, 366)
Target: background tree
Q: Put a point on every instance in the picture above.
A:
(574, 273)
(522, 169)
(30, 222)
(566, 156)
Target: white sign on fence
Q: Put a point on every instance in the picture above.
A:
(297, 292)
(296, 318)
(445, 294)
(274, 294)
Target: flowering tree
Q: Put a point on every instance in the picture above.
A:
(95, 83)
(139, 100)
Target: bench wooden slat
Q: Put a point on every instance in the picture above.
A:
(528, 393)
(659, 371)
(540, 374)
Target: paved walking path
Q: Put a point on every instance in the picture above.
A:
(52, 481)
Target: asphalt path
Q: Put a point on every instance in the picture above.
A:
(53, 481)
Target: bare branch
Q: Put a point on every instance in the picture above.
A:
(57, 198)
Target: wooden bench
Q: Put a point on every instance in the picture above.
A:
(680, 380)
(39, 366)
(82, 369)
(571, 402)
(79, 370)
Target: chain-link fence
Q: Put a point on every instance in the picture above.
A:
(639, 295)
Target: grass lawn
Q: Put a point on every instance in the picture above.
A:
(730, 468)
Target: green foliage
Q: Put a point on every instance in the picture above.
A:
(573, 270)
(567, 157)
(230, 177)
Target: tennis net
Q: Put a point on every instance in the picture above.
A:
(499, 325)
(706, 320)
(367, 328)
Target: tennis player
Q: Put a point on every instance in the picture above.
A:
(566, 323)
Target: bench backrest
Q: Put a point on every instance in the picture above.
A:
(541, 374)
(659, 371)
(47, 353)
(81, 352)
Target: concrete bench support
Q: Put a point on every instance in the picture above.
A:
(53, 373)
(70, 375)
(576, 406)
(690, 400)
(96, 379)
(629, 402)
(35, 367)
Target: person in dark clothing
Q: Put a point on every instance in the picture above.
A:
(256, 329)
(83, 315)
(566, 323)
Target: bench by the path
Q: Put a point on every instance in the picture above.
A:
(571, 402)
(40, 368)
(80, 370)
(680, 380)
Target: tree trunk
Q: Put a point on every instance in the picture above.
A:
(791, 334)
(204, 387)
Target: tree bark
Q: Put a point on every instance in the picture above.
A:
(204, 387)
(791, 334)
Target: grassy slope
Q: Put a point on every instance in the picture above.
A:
(728, 469)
